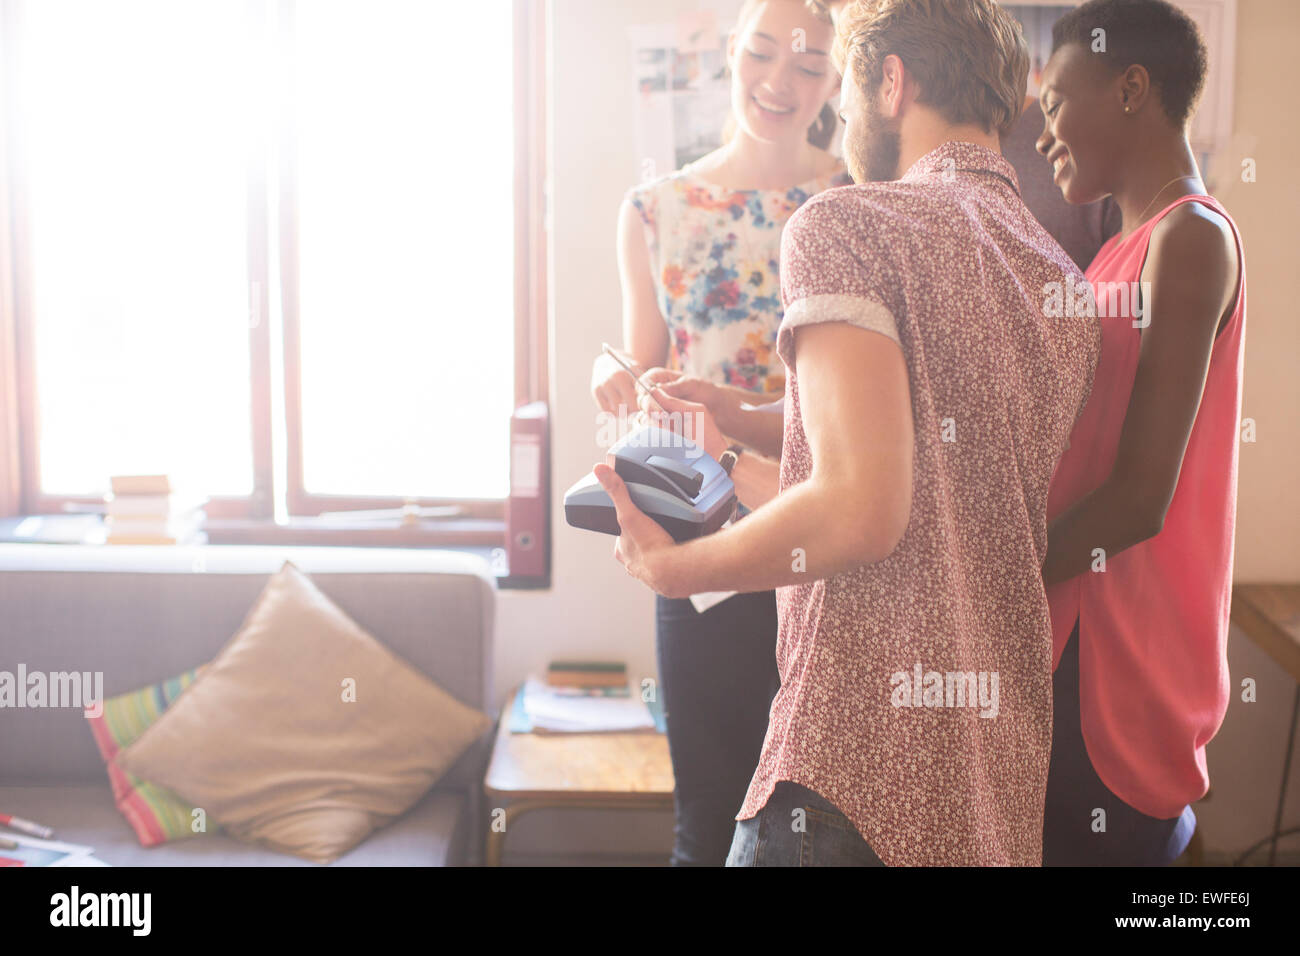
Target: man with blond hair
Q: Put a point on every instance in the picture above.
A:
(929, 397)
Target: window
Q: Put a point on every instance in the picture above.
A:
(287, 253)
(135, 266)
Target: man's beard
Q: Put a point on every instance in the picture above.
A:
(873, 157)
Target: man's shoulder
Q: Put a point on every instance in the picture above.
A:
(836, 244)
(847, 213)
(848, 199)
(867, 202)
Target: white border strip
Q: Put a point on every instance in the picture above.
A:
(854, 309)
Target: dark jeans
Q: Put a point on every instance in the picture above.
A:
(717, 675)
(1075, 793)
(799, 827)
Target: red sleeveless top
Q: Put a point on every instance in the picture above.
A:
(1153, 628)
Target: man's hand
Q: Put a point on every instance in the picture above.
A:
(691, 420)
(643, 548)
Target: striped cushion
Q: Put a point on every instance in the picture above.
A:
(155, 813)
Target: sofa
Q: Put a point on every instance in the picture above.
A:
(142, 614)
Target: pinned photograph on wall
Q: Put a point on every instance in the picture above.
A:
(680, 68)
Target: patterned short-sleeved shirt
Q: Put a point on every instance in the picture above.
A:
(916, 692)
(714, 255)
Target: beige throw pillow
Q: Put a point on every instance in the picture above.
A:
(268, 744)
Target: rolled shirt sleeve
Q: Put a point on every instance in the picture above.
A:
(830, 272)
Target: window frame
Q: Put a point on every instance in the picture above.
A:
(251, 518)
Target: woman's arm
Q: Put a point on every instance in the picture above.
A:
(757, 479)
(761, 431)
(1192, 267)
(645, 333)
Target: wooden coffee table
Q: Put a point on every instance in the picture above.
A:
(622, 771)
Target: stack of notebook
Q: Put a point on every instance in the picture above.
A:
(142, 509)
(590, 678)
(29, 851)
(585, 697)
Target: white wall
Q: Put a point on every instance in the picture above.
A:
(1245, 759)
(593, 609)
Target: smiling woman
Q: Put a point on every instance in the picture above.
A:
(698, 258)
(813, 65)
(1149, 478)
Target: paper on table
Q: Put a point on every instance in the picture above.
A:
(34, 852)
(557, 712)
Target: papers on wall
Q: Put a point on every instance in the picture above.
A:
(684, 95)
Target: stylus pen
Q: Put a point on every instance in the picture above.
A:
(26, 826)
(609, 350)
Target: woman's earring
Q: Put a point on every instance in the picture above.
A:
(1127, 108)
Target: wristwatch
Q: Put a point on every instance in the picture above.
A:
(728, 458)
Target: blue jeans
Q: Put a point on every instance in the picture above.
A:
(798, 827)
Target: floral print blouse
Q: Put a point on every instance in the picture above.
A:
(714, 253)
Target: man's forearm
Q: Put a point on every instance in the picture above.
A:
(800, 536)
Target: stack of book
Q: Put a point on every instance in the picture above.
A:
(142, 509)
(588, 678)
(581, 699)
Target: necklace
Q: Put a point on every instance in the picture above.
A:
(1162, 189)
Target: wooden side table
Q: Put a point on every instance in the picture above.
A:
(1269, 614)
(624, 771)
